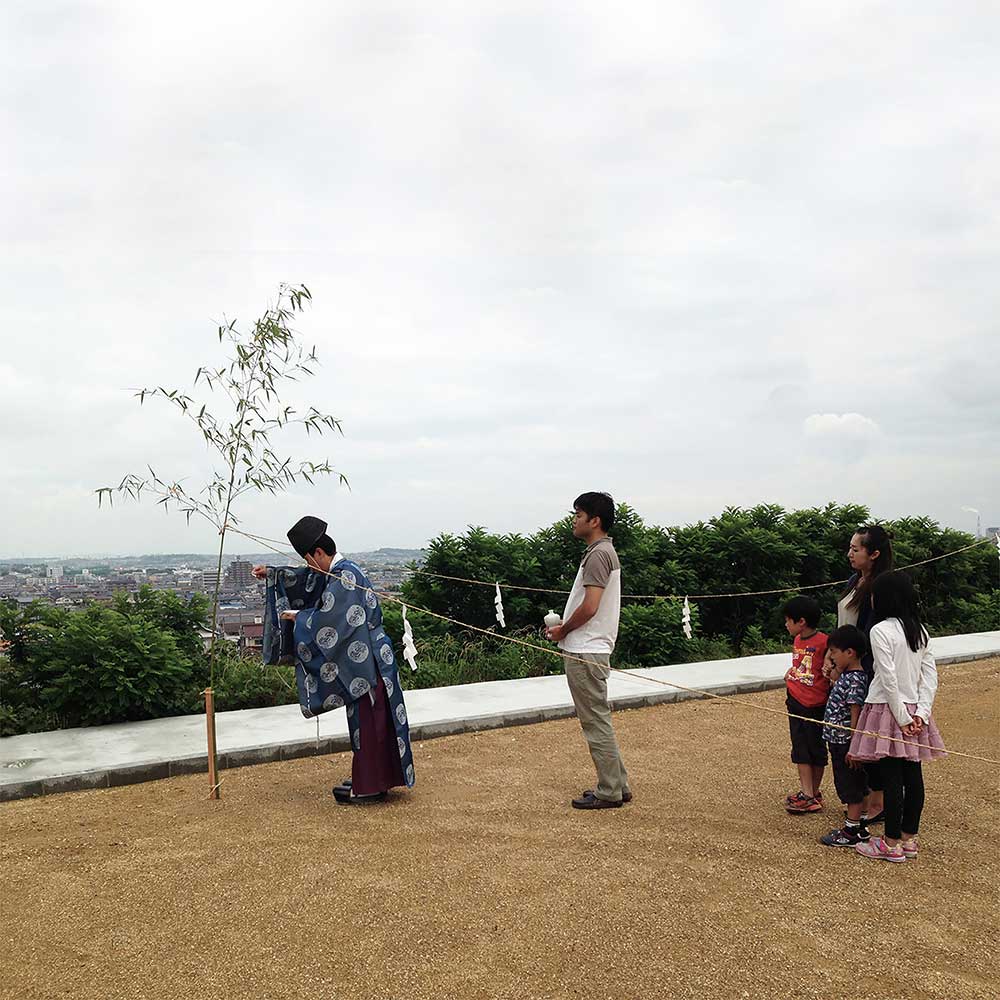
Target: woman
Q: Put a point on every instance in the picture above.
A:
(870, 555)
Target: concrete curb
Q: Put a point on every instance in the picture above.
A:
(250, 756)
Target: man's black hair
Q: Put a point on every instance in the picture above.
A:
(327, 544)
(803, 607)
(597, 505)
(848, 637)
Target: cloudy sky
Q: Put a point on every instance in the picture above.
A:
(696, 254)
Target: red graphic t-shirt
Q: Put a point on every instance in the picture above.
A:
(805, 680)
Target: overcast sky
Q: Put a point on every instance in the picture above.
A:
(695, 254)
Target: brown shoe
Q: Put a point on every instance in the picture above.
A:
(588, 801)
(626, 795)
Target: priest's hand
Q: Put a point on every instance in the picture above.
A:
(556, 633)
(260, 572)
(288, 616)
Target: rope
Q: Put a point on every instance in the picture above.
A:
(729, 699)
(661, 597)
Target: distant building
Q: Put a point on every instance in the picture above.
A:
(239, 575)
(206, 582)
(53, 572)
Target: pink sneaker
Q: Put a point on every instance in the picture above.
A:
(909, 847)
(877, 848)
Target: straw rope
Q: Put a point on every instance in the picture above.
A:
(729, 699)
(661, 597)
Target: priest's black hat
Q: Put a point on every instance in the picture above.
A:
(305, 533)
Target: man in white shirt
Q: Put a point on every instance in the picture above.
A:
(587, 637)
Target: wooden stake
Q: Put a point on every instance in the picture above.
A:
(213, 768)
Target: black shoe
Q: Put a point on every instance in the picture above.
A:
(879, 818)
(588, 801)
(626, 795)
(346, 797)
(847, 836)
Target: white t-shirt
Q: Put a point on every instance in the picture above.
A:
(598, 568)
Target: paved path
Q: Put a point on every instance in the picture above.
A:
(106, 756)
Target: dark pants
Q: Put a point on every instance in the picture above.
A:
(903, 781)
(376, 767)
(851, 782)
(807, 737)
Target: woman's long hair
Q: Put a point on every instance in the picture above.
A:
(874, 538)
(894, 596)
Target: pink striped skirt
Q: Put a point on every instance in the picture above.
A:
(879, 720)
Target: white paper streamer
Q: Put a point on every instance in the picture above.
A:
(409, 649)
(998, 544)
(686, 618)
(498, 601)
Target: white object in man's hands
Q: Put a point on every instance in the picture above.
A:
(551, 620)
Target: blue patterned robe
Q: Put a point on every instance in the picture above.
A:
(338, 644)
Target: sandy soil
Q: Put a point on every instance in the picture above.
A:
(482, 882)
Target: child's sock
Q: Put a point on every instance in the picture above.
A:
(852, 824)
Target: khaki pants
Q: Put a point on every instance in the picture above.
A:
(588, 684)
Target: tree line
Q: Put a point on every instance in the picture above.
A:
(142, 657)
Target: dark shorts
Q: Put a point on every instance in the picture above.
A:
(808, 746)
(851, 782)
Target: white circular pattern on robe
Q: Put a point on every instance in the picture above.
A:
(270, 575)
(389, 687)
(385, 652)
(281, 604)
(356, 739)
(370, 599)
(355, 615)
(312, 685)
(289, 577)
(409, 774)
(311, 582)
(350, 711)
(348, 579)
(327, 637)
(332, 701)
(305, 653)
(401, 714)
(358, 651)
(328, 601)
(401, 745)
(359, 686)
(328, 673)
(306, 712)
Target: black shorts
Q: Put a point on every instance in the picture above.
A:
(851, 782)
(808, 746)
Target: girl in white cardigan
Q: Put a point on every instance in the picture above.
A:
(898, 708)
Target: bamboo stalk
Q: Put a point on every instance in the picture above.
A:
(213, 771)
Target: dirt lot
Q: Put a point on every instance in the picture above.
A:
(482, 882)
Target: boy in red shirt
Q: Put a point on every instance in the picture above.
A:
(807, 693)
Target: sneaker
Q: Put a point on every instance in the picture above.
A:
(877, 848)
(805, 805)
(847, 836)
(879, 817)
(909, 848)
(801, 796)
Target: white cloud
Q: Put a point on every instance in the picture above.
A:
(551, 249)
(841, 425)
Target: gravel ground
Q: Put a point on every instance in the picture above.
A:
(482, 882)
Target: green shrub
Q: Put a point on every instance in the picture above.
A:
(243, 681)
